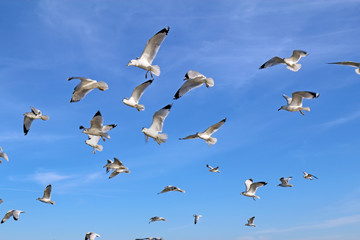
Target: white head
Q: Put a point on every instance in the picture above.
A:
(133, 62)
(282, 108)
(103, 86)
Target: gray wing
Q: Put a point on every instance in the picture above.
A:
(4, 155)
(159, 118)
(255, 186)
(35, 111)
(297, 54)
(117, 163)
(93, 140)
(7, 216)
(186, 87)
(47, 192)
(153, 45)
(97, 121)
(82, 89)
(189, 137)
(251, 220)
(212, 129)
(114, 173)
(27, 124)
(193, 74)
(139, 90)
(347, 63)
(298, 96)
(272, 62)
(288, 99)
(108, 127)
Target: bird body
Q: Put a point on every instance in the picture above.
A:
(156, 218)
(251, 188)
(29, 117)
(91, 235)
(85, 86)
(196, 218)
(47, 195)
(211, 169)
(309, 176)
(285, 182)
(294, 103)
(97, 128)
(14, 213)
(170, 188)
(193, 80)
(117, 166)
(291, 62)
(133, 101)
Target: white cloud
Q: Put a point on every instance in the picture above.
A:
(48, 177)
(342, 120)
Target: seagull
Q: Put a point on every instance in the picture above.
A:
(3, 155)
(133, 101)
(157, 126)
(30, 116)
(251, 188)
(285, 182)
(14, 213)
(156, 218)
(85, 86)
(309, 176)
(211, 169)
(170, 188)
(250, 222)
(206, 135)
(149, 53)
(97, 128)
(196, 218)
(93, 142)
(352, 64)
(295, 103)
(47, 195)
(117, 166)
(118, 171)
(193, 80)
(291, 62)
(91, 236)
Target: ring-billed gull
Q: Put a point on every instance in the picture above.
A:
(154, 131)
(117, 166)
(309, 176)
(206, 135)
(285, 182)
(85, 86)
(294, 103)
(156, 218)
(14, 213)
(91, 235)
(196, 218)
(170, 188)
(291, 62)
(133, 101)
(193, 80)
(47, 195)
(348, 63)
(149, 53)
(211, 169)
(97, 128)
(29, 117)
(251, 188)
(251, 222)
(3, 155)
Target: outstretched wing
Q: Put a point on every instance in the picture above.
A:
(153, 45)
(248, 184)
(212, 129)
(347, 63)
(251, 220)
(47, 192)
(272, 62)
(97, 121)
(139, 90)
(255, 186)
(82, 89)
(7, 216)
(298, 96)
(297, 54)
(27, 124)
(288, 99)
(189, 137)
(159, 118)
(186, 87)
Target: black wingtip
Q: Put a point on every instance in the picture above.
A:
(164, 30)
(168, 106)
(264, 183)
(177, 95)
(262, 66)
(97, 113)
(81, 127)
(224, 120)
(149, 81)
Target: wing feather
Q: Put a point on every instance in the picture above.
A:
(153, 45)
(159, 118)
(139, 90)
(212, 129)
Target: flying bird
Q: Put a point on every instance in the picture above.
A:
(294, 103)
(47, 195)
(149, 53)
(30, 116)
(250, 222)
(251, 188)
(211, 169)
(285, 182)
(156, 218)
(117, 166)
(309, 176)
(85, 86)
(97, 128)
(170, 188)
(291, 62)
(14, 213)
(91, 236)
(196, 218)
(154, 131)
(3, 155)
(352, 64)
(206, 135)
(193, 80)
(133, 101)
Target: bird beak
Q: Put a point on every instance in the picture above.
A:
(279, 109)
(128, 64)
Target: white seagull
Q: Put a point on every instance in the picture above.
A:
(117, 166)
(251, 188)
(47, 195)
(91, 236)
(85, 86)
(154, 131)
(30, 116)
(348, 63)
(149, 53)
(93, 141)
(156, 218)
(291, 62)
(133, 101)
(196, 218)
(250, 222)
(97, 128)
(211, 169)
(294, 103)
(206, 135)
(170, 188)
(309, 176)
(193, 80)
(285, 182)
(3, 155)
(14, 213)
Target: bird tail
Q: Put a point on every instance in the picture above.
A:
(45, 117)
(357, 70)
(212, 140)
(140, 107)
(155, 69)
(102, 86)
(295, 67)
(209, 82)
(306, 109)
(105, 135)
(163, 137)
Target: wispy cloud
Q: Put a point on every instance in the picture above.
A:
(48, 177)
(342, 120)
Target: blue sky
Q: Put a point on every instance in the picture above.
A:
(43, 43)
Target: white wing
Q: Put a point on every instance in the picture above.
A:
(248, 184)
(47, 192)
(16, 214)
(97, 121)
(272, 62)
(193, 74)
(297, 54)
(255, 186)
(209, 166)
(93, 140)
(186, 87)
(288, 99)
(108, 127)
(298, 96)
(139, 90)
(153, 45)
(212, 129)
(159, 118)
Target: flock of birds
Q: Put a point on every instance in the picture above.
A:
(192, 80)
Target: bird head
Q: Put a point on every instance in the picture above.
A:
(132, 63)
(282, 107)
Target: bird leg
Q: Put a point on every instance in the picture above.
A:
(103, 139)
(301, 112)
(151, 75)
(146, 74)
(254, 198)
